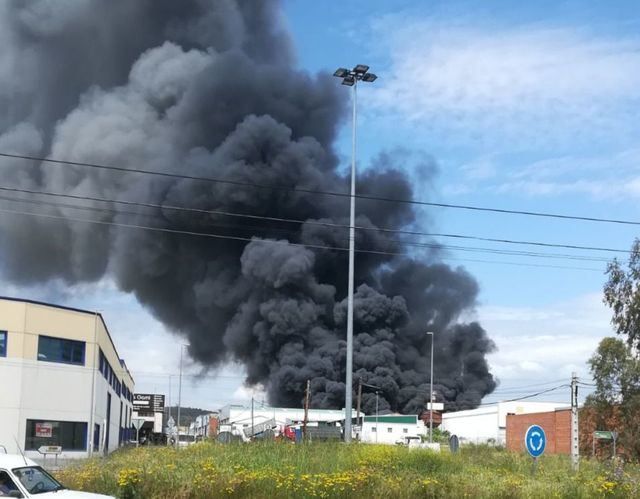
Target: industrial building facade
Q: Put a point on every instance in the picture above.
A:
(63, 382)
(488, 424)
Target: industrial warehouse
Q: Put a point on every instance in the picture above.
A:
(64, 389)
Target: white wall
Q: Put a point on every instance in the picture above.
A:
(384, 436)
(474, 426)
(489, 423)
(31, 389)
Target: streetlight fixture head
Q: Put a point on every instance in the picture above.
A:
(349, 81)
(361, 69)
(341, 72)
(369, 77)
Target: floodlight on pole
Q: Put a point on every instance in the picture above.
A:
(351, 78)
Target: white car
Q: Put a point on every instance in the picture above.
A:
(22, 477)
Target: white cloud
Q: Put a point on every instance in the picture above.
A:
(517, 85)
(611, 176)
(539, 345)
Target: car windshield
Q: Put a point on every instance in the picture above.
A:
(36, 480)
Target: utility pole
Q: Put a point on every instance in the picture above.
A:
(358, 404)
(252, 425)
(306, 410)
(179, 399)
(575, 435)
(430, 333)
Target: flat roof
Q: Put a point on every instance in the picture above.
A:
(392, 418)
(72, 309)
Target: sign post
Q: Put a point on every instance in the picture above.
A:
(137, 424)
(50, 449)
(535, 441)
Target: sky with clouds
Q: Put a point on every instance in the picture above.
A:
(522, 106)
(529, 106)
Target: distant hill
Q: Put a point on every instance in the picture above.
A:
(187, 414)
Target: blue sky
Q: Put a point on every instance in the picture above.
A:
(528, 106)
(522, 105)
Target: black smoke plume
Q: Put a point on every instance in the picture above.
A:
(210, 88)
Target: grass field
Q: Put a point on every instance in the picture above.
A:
(336, 470)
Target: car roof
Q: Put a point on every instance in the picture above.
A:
(10, 461)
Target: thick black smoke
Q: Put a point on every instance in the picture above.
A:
(209, 88)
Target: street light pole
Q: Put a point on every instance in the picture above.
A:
(351, 78)
(430, 333)
(179, 399)
(377, 416)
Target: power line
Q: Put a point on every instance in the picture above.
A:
(520, 387)
(528, 396)
(306, 222)
(319, 192)
(270, 241)
(285, 230)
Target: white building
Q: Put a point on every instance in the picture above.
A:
(391, 428)
(488, 424)
(240, 416)
(201, 428)
(62, 383)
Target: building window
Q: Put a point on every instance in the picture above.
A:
(3, 343)
(61, 350)
(69, 435)
(374, 429)
(405, 430)
(389, 430)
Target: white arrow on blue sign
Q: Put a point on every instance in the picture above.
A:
(535, 440)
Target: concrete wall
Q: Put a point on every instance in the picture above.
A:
(51, 391)
(473, 426)
(556, 425)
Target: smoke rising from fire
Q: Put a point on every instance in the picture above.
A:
(210, 88)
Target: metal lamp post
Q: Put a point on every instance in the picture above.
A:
(351, 77)
(377, 392)
(179, 398)
(430, 333)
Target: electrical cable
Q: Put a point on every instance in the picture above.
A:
(306, 222)
(317, 192)
(435, 246)
(271, 241)
(527, 396)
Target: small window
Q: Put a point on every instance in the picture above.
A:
(3, 343)
(374, 429)
(69, 435)
(61, 350)
(405, 430)
(389, 430)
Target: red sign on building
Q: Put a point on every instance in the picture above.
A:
(44, 430)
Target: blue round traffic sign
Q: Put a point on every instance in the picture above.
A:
(535, 440)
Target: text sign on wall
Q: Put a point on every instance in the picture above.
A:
(148, 402)
(44, 430)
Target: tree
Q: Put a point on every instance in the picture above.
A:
(614, 404)
(622, 295)
(615, 371)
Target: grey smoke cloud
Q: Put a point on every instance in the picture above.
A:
(209, 88)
